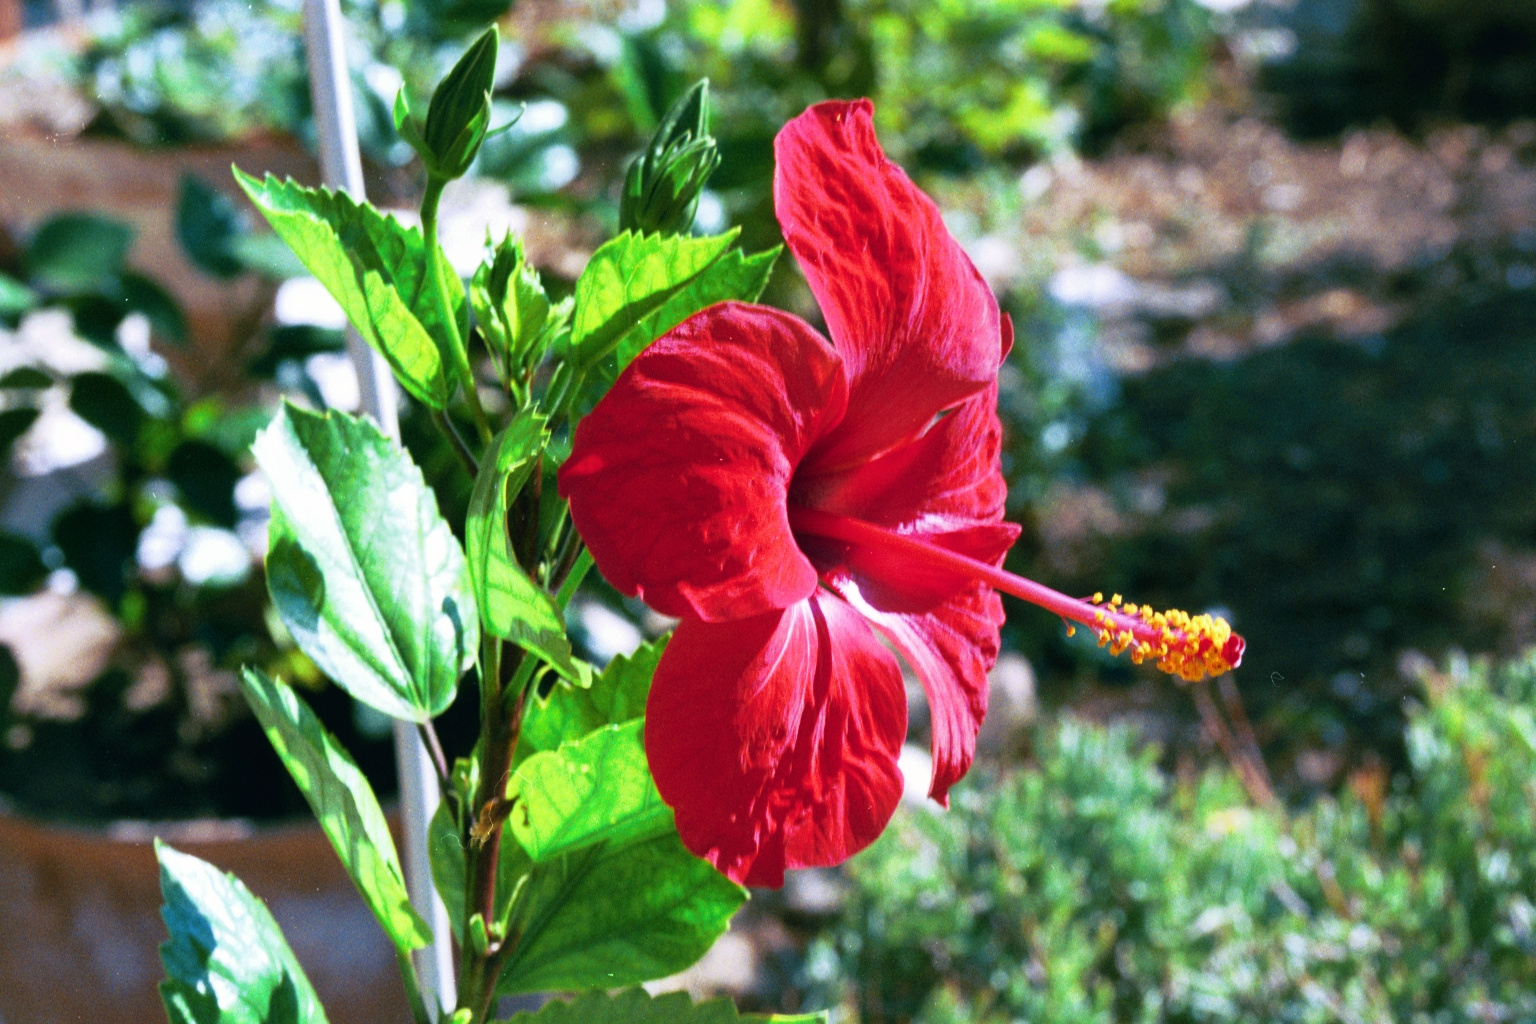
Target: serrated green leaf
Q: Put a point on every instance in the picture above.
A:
(632, 1006)
(362, 568)
(629, 278)
(734, 276)
(617, 695)
(606, 917)
(226, 962)
(512, 605)
(592, 790)
(375, 267)
(342, 801)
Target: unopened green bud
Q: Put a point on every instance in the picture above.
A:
(661, 190)
(459, 114)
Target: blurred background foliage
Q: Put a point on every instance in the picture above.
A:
(1272, 266)
(1095, 887)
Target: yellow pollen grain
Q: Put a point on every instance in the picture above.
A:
(1183, 645)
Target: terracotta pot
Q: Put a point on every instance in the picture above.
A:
(80, 923)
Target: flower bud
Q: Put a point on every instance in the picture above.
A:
(661, 190)
(459, 113)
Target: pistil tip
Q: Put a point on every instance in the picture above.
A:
(1188, 646)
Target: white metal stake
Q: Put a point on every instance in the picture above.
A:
(342, 168)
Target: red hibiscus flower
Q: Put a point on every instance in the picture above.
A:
(794, 500)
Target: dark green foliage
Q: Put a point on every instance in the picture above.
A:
(1093, 888)
(78, 251)
(21, 565)
(209, 225)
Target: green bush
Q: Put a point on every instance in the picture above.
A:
(1093, 887)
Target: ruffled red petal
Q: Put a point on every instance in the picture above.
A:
(952, 648)
(678, 478)
(916, 325)
(775, 739)
(946, 487)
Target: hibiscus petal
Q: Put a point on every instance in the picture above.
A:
(945, 487)
(916, 325)
(951, 648)
(775, 739)
(678, 478)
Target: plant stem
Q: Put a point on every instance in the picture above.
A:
(435, 749)
(499, 728)
(573, 578)
(456, 441)
(436, 270)
(412, 987)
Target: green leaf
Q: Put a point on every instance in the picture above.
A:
(512, 606)
(376, 269)
(226, 962)
(633, 1006)
(628, 279)
(617, 695)
(362, 567)
(79, 252)
(10, 681)
(21, 566)
(160, 308)
(610, 916)
(592, 790)
(343, 803)
(445, 855)
(208, 226)
(734, 276)
(27, 378)
(15, 297)
(13, 424)
(109, 405)
(785, 1018)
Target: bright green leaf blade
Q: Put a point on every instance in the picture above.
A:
(595, 789)
(785, 1018)
(77, 252)
(374, 267)
(632, 1006)
(734, 276)
(362, 567)
(628, 279)
(226, 962)
(512, 606)
(617, 695)
(343, 803)
(607, 917)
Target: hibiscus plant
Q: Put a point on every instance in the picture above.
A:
(810, 508)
